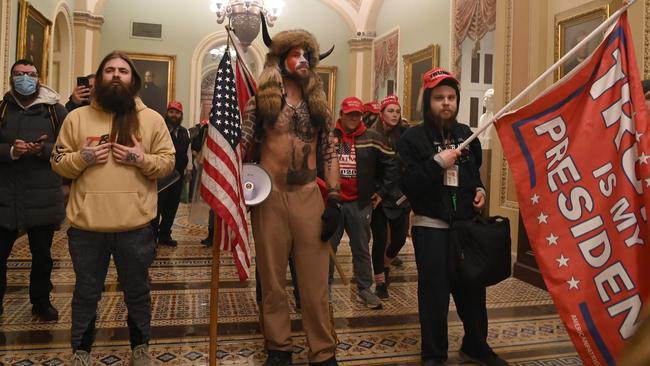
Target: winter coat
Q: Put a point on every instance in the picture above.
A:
(30, 191)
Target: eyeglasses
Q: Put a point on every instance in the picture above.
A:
(33, 74)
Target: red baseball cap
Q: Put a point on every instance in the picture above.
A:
(372, 107)
(351, 104)
(174, 104)
(435, 76)
(388, 100)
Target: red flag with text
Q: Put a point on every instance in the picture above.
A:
(579, 156)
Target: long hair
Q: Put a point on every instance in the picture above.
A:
(125, 118)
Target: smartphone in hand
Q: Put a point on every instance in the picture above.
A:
(83, 81)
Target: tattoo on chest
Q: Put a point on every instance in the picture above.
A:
(299, 172)
(301, 125)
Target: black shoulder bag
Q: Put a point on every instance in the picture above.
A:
(479, 250)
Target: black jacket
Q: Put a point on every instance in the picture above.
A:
(376, 166)
(422, 177)
(389, 204)
(30, 192)
(181, 142)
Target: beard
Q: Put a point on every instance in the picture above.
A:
(117, 98)
(173, 122)
(443, 124)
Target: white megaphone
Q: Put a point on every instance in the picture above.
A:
(256, 184)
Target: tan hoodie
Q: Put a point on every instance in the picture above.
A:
(112, 197)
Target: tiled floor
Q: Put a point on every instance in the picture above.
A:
(524, 327)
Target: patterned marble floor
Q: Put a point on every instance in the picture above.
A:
(524, 327)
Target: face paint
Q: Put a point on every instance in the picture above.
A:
(296, 61)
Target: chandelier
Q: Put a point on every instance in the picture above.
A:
(244, 16)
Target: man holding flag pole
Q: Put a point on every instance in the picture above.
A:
(585, 208)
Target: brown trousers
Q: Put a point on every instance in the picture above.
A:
(286, 222)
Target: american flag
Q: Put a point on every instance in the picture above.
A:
(221, 178)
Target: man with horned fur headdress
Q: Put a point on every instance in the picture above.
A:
(291, 120)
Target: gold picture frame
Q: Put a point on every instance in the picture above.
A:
(158, 74)
(415, 65)
(570, 28)
(33, 37)
(328, 76)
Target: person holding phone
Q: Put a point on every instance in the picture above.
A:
(81, 93)
(30, 192)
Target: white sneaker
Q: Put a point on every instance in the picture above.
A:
(140, 356)
(371, 300)
(80, 358)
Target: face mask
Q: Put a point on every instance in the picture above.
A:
(25, 84)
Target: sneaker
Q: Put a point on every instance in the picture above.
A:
(491, 360)
(140, 356)
(278, 358)
(80, 358)
(45, 311)
(397, 262)
(369, 299)
(381, 290)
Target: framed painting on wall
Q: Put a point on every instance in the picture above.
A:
(33, 38)
(571, 28)
(158, 79)
(415, 65)
(328, 76)
(385, 51)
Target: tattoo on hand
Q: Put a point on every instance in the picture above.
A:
(132, 157)
(88, 156)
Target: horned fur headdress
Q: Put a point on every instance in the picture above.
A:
(271, 88)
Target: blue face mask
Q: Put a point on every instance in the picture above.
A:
(25, 84)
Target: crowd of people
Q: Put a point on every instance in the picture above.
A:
(367, 174)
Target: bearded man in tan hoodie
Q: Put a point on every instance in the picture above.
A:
(113, 150)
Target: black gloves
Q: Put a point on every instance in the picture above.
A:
(331, 218)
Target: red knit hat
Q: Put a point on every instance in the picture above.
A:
(174, 104)
(390, 99)
(351, 104)
(372, 107)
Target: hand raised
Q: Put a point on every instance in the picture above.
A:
(80, 94)
(128, 155)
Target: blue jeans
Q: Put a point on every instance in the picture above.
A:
(133, 252)
(431, 247)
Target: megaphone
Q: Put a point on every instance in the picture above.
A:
(256, 184)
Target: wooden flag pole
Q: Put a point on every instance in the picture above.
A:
(214, 294)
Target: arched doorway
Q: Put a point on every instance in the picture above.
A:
(61, 76)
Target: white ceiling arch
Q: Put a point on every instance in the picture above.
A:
(358, 15)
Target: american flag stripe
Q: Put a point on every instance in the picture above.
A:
(221, 178)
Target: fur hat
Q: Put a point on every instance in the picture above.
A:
(271, 87)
